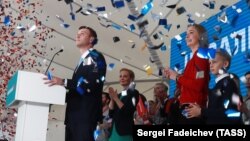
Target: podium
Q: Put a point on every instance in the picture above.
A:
(27, 92)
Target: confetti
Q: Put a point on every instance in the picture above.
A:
(163, 48)
(162, 22)
(209, 4)
(148, 69)
(117, 3)
(32, 28)
(131, 17)
(243, 79)
(156, 36)
(99, 9)
(206, 53)
(223, 17)
(226, 103)
(111, 66)
(222, 7)
(132, 86)
(157, 47)
(146, 8)
(183, 53)
(133, 46)
(7, 20)
(64, 25)
(235, 99)
(177, 67)
(178, 37)
(171, 6)
(116, 39)
(154, 16)
(218, 28)
(231, 113)
(180, 10)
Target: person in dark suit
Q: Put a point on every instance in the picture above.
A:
(84, 98)
(122, 107)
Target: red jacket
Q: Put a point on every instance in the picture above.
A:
(194, 81)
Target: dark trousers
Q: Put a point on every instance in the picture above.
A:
(79, 132)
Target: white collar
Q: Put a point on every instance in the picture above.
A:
(221, 77)
(86, 53)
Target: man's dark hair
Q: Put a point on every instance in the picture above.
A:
(92, 33)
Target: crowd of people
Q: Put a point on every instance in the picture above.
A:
(115, 113)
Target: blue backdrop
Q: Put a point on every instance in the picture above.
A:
(238, 23)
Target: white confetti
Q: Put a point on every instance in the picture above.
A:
(243, 79)
(124, 93)
(197, 14)
(235, 99)
(178, 37)
(133, 101)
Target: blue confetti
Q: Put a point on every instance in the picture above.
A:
(163, 22)
(111, 66)
(163, 48)
(168, 26)
(97, 133)
(132, 27)
(99, 9)
(79, 89)
(64, 25)
(13, 33)
(226, 103)
(115, 26)
(49, 74)
(184, 113)
(132, 17)
(232, 113)
(146, 8)
(206, 53)
(210, 4)
(73, 17)
(7, 20)
(117, 3)
(177, 67)
(190, 20)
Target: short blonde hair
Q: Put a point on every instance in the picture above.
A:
(224, 54)
(130, 72)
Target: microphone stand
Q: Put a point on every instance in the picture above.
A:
(48, 69)
(52, 60)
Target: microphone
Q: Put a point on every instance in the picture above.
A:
(61, 50)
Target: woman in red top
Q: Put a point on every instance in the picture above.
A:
(193, 83)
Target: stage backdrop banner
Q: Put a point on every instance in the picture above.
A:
(230, 30)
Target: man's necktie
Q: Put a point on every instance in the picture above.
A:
(80, 62)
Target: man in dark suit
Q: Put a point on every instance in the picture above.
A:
(84, 98)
